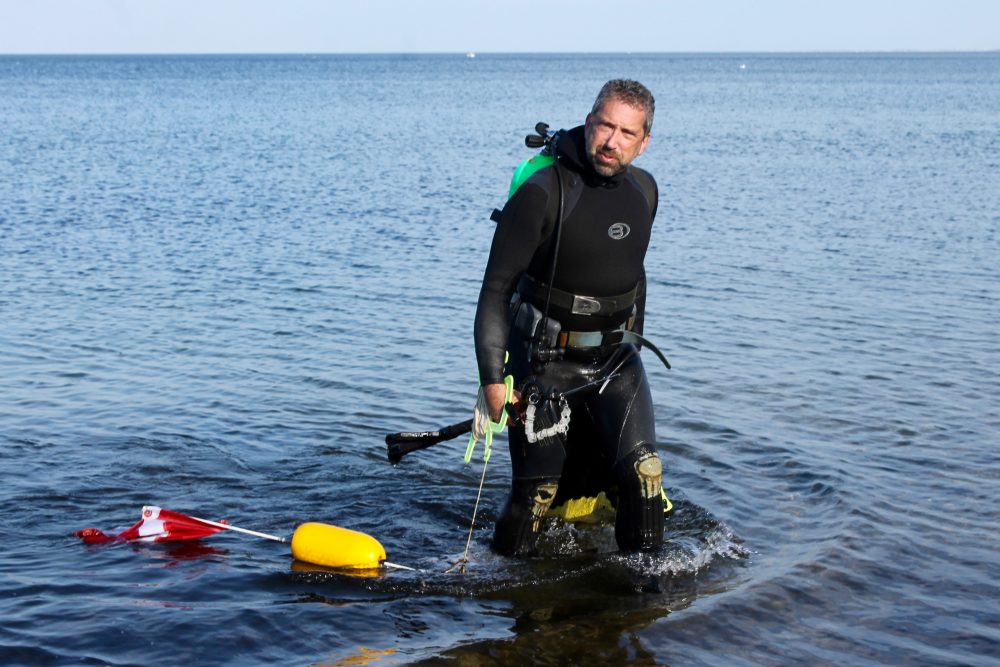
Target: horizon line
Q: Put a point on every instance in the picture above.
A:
(475, 53)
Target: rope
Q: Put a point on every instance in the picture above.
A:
(461, 562)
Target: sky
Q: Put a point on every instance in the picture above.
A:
(460, 26)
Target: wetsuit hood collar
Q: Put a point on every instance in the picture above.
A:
(572, 150)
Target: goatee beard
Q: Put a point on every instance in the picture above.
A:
(606, 169)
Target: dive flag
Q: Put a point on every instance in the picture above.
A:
(156, 525)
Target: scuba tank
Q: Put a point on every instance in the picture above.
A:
(525, 170)
(542, 139)
(544, 158)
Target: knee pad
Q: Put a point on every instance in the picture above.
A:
(516, 530)
(639, 518)
(649, 470)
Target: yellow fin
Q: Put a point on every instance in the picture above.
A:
(594, 509)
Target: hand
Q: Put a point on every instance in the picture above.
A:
(496, 395)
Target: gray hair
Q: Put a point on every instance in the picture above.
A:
(631, 93)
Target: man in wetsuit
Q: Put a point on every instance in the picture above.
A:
(563, 290)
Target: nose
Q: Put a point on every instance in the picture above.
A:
(612, 139)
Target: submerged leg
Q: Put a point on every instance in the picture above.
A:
(516, 530)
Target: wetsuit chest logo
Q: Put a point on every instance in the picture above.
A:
(618, 231)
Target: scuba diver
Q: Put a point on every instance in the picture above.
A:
(561, 312)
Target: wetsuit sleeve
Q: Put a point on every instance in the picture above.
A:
(640, 304)
(515, 241)
(640, 295)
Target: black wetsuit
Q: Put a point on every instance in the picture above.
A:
(603, 240)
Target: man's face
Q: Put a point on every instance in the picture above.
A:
(615, 136)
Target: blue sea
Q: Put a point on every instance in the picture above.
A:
(224, 279)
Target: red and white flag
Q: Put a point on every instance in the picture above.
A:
(157, 525)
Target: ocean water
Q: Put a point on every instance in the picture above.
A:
(223, 280)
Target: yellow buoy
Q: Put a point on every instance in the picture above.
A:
(333, 546)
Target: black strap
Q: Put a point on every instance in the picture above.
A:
(648, 187)
(604, 306)
(619, 337)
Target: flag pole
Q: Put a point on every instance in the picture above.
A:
(226, 526)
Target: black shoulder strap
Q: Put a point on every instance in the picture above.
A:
(573, 188)
(571, 197)
(647, 185)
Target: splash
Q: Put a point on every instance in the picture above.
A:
(569, 555)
